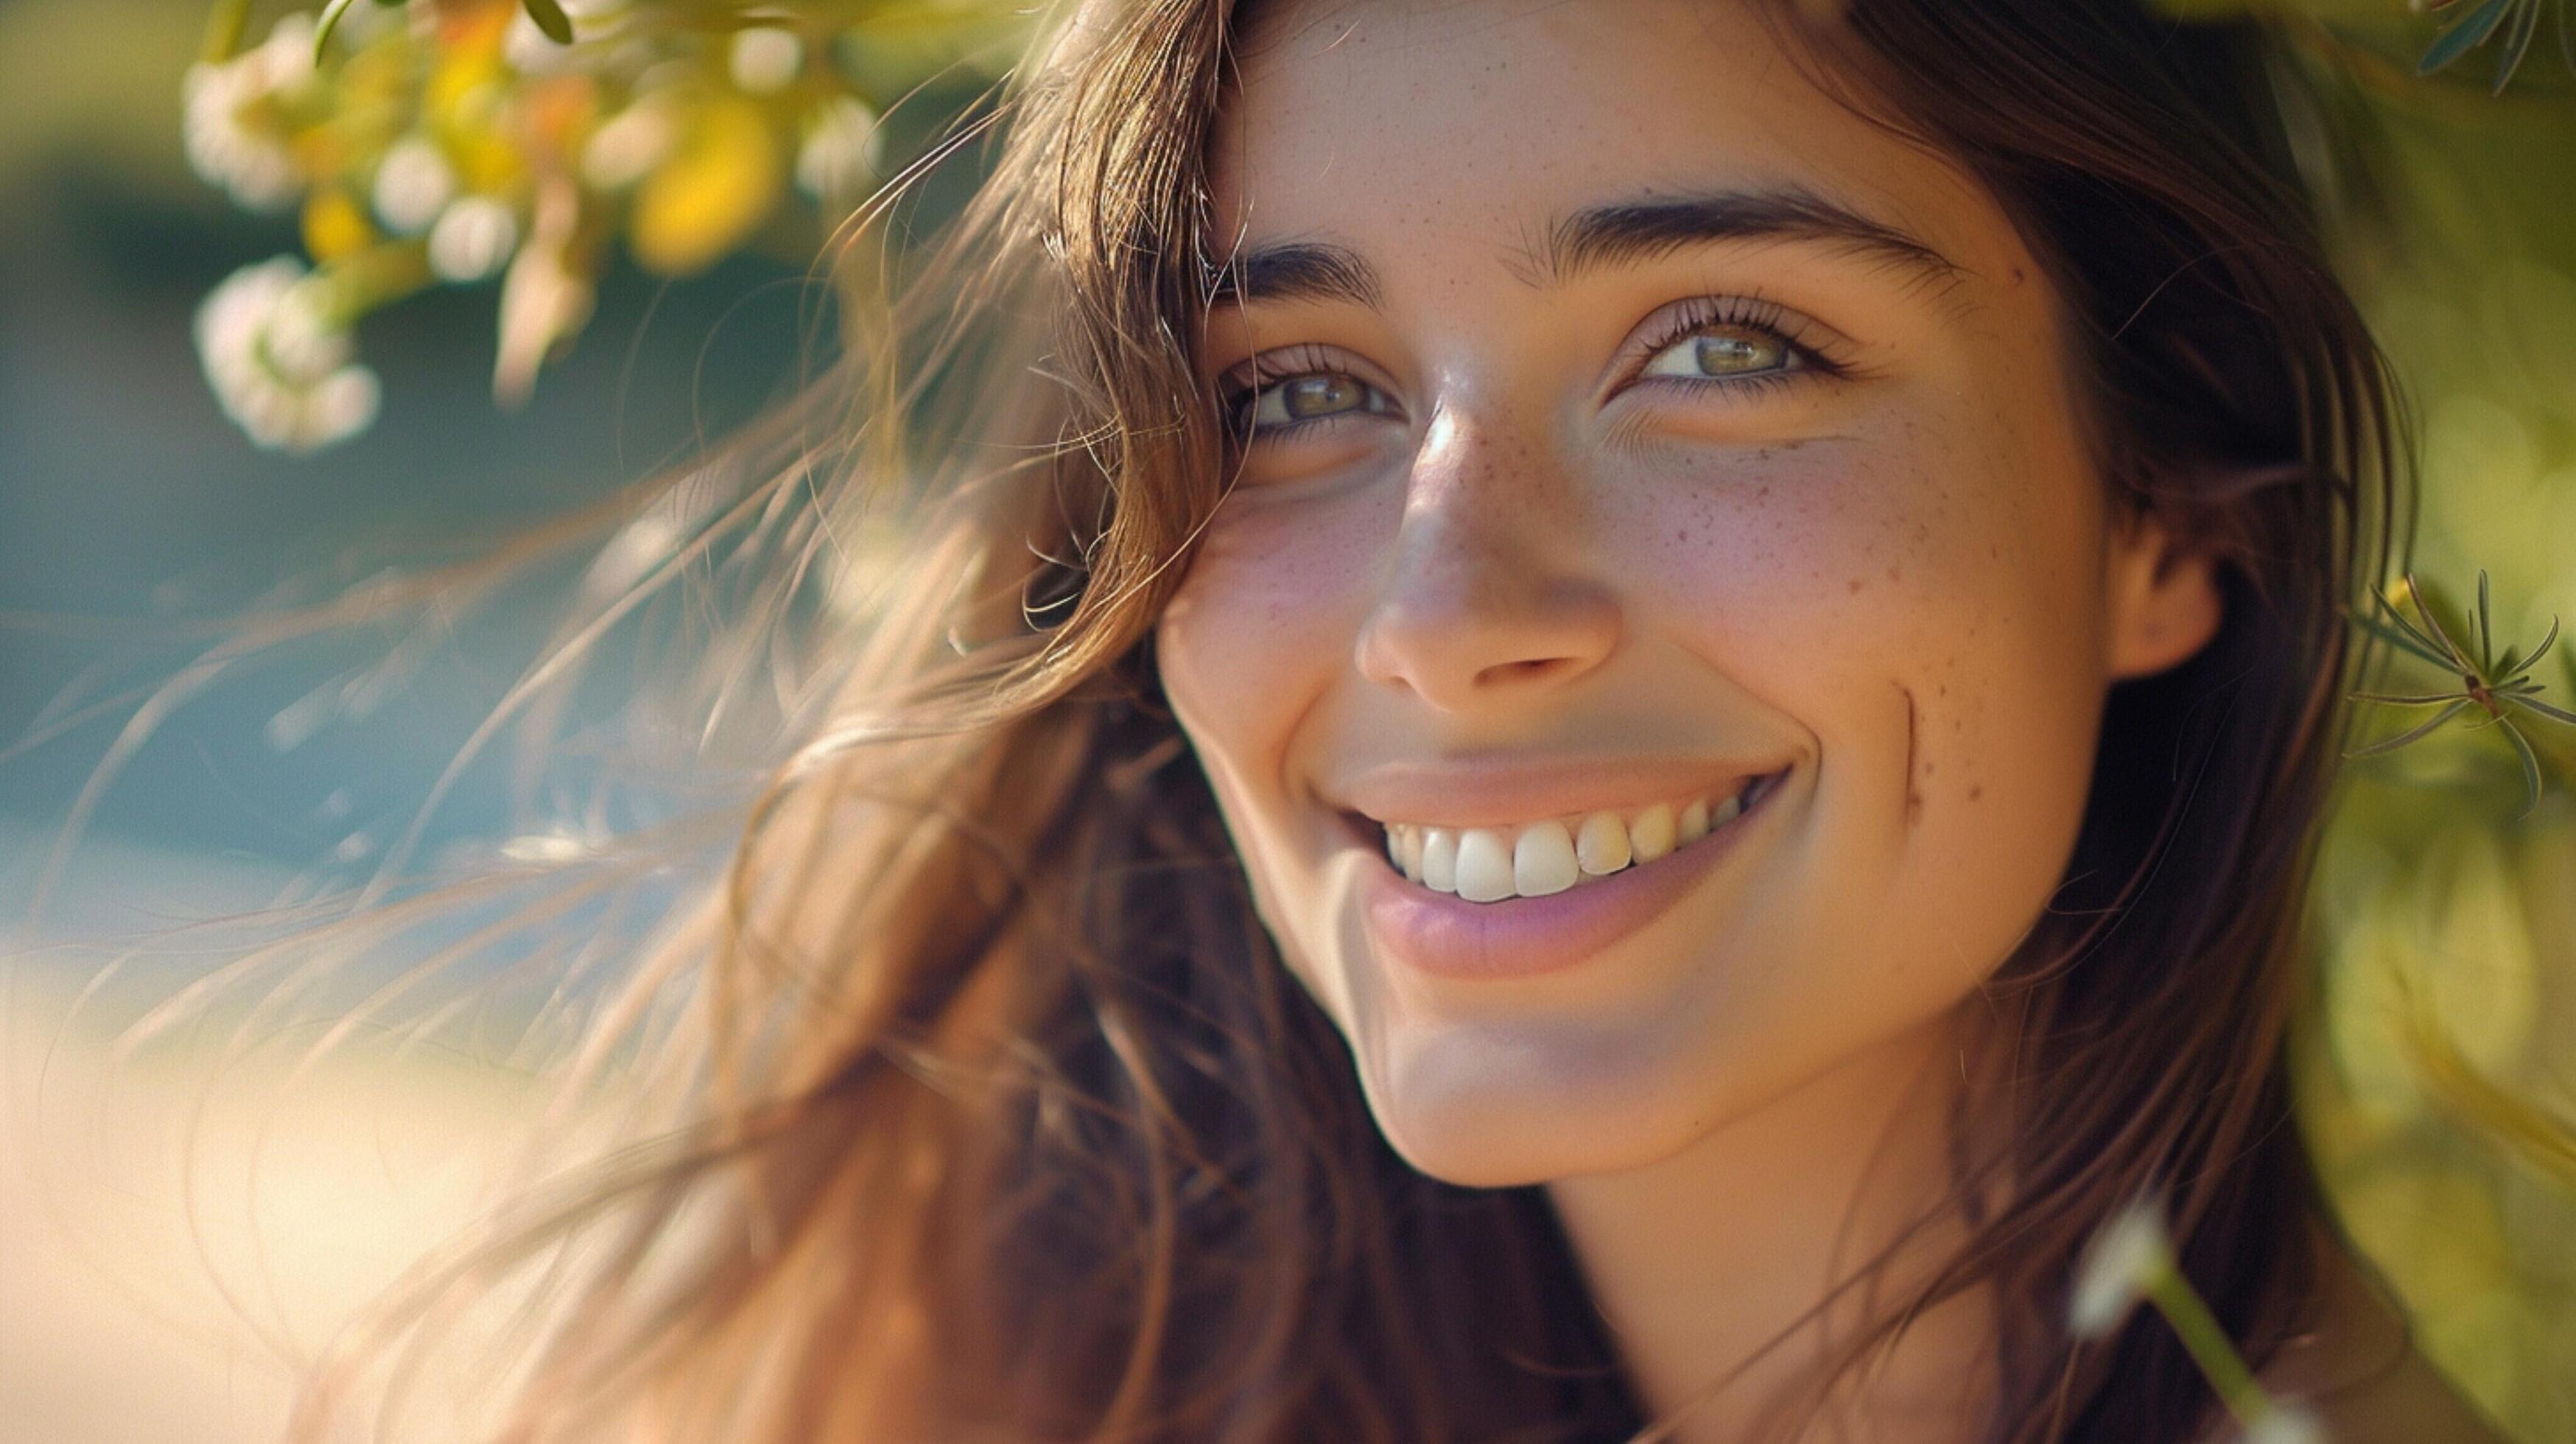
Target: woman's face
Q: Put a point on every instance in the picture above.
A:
(1629, 420)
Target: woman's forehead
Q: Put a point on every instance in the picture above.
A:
(1406, 126)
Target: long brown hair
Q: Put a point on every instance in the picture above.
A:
(978, 1103)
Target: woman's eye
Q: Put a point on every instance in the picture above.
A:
(1317, 397)
(1719, 352)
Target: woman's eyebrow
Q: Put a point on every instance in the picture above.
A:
(1626, 232)
(1294, 271)
(1594, 238)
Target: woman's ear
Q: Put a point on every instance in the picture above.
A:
(2163, 600)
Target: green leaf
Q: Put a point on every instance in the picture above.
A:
(329, 21)
(550, 18)
(2405, 639)
(2517, 41)
(224, 27)
(2391, 744)
(2554, 714)
(2432, 621)
(2486, 627)
(2530, 769)
(2537, 652)
(2464, 37)
(2441, 651)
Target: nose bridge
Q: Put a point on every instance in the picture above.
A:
(1491, 591)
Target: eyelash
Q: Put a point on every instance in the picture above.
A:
(1752, 312)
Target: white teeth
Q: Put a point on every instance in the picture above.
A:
(1692, 825)
(1484, 866)
(1440, 859)
(1651, 835)
(1543, 860)
(1602, 846)
(1488, 864)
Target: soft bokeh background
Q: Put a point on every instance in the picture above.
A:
(181, 1215)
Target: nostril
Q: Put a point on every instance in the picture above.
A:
(1528, 669)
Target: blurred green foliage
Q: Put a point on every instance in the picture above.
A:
(461, 141)
(2437, 1062)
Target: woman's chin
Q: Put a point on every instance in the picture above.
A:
(1491, 1113)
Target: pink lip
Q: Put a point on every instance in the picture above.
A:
(1447, 936)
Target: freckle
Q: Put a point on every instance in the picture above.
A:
(1852, 586)
(2018, 277)
(1976, 792)
(1893, 574)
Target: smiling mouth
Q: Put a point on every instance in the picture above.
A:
(1551, 855)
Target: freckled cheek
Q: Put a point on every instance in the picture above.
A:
(1260, 624)
(1789, 552)
(1925, 519)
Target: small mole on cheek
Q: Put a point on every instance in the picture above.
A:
(1976, 792)
(2018, 277)
(1893, 574)
(1853, 586)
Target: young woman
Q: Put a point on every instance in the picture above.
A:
(1563, 719)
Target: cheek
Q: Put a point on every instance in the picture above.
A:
(1923, 597)
(1262, 623)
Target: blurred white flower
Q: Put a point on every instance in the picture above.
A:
(472, 240)
(413, 184)
(226, 142)
(2287, 1424)
(765, 59)
(544, 298)
(841, 152)
(279, 366)
(2124, 1257)
(629, 145)
(557, 845)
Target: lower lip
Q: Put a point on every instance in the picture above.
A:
(1447, 936)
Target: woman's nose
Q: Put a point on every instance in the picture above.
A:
(1492, 597)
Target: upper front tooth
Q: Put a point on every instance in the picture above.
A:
(1484, 865)
(1651, 835)
(1440, 859)
(1543, 860)
(1602, 846)
(1693, 823)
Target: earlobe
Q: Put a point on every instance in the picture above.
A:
(2164, 602)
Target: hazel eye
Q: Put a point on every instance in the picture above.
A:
(1717, 352)
(1312, 398)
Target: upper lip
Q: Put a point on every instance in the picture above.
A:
(1500, 791)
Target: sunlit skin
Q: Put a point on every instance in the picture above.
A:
(1532, 517)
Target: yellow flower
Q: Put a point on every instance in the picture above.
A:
(705, 200)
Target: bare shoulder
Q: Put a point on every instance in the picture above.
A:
(2360, 1371)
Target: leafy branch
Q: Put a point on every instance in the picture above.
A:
(2516, 20)
(2498, 684)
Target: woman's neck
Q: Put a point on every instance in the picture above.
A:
(1709, 1263)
